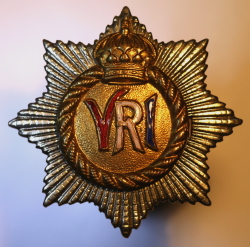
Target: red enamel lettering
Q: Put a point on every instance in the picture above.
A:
(103, 121)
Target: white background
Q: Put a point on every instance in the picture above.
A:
(23, 219)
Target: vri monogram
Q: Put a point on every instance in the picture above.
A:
(103, 121)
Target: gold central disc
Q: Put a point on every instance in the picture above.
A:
(128, 159)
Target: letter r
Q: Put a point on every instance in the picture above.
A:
(129, 123)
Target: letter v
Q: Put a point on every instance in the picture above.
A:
(103, 122)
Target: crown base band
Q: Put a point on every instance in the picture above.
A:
(124, 74)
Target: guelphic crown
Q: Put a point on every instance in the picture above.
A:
(125, 55)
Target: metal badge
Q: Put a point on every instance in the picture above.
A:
(126, 123)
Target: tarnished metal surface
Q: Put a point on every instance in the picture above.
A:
(125, 161)
(126, 123)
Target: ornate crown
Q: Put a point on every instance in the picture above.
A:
(124, 54)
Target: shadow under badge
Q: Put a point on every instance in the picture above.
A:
(126, 123)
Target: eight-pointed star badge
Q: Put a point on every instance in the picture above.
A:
(126, 122)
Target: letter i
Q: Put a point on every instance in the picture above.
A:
(150, 105)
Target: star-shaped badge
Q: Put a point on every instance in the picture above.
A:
(126, 122)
